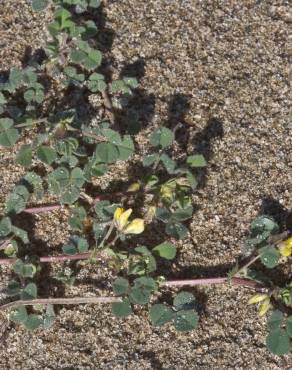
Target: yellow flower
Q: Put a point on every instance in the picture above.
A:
(264, 301)
(121, 218)
(135, 227)
(257, 298)
(264, 307)
(134, 187)
(285, 247)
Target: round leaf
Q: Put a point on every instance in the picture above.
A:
(177, 230)
(196, 160)
(13, 288)
(8, 134)
(5, 227)
(107, 152)
(160, 314)
(29, 292)
(120, 286)
(289, 326)
(122, 309)
(278, 342)
(270, 256)
(70, 195)
(69, 249)
(275, 320)
(166, 250)
(184, 301)
(39, 5)
(32, 322)
(139, 296)
(186, 320)
(46, 154)
(24, 156)
(19, 315)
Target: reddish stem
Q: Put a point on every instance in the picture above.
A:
(42, 209)
(170, 283)
(52, 259)
(53, 207)
(211, 281)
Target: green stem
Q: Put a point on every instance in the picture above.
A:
(28, 124)
(247, 265)
(156, 163)
(107, 235)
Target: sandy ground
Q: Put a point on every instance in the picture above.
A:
(221, 69)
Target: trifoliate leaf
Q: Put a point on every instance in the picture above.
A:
(26, 270)
(143, 287)
(162, 137)
(92, 60)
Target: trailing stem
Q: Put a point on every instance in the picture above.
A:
(171, 283)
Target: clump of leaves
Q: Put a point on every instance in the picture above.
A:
(270, 248)
(182, 314)
(66, 156)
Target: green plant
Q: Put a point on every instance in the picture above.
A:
(65, 157)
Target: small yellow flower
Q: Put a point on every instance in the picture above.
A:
(285, 247)
(135, 227)
(134, 187)
(264, 307)
(257, 298)
(166, 192)
(121, 218)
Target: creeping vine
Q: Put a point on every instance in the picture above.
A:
(66, 154)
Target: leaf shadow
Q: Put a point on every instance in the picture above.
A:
(202, 143)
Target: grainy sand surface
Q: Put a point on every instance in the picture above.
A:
(220, 68)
